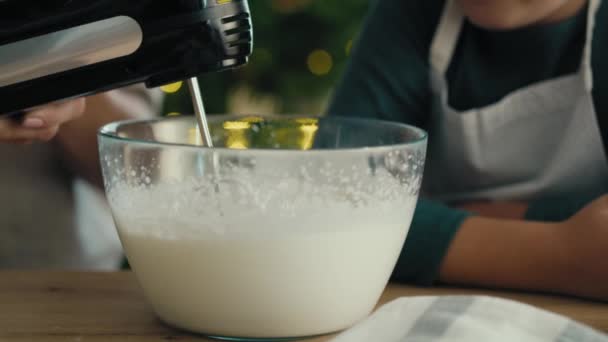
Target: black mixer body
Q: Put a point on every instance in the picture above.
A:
(59, 49)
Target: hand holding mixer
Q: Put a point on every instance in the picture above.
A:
(59, 49)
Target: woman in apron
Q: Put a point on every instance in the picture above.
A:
(50, 217)
(509, 92)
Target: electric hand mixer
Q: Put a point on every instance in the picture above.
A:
(59, 49)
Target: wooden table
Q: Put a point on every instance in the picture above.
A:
(81, 307)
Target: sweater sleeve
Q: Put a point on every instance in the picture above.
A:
(433, 228)
(560, 208)
(387, 76)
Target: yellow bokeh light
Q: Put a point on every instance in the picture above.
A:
(349, 47)
(308, 130)
(232, 125)
(320, 62)
(236, 143)
(307, 121)
(307, 139)
(174, 114)
(172, 88)
(236, 134)
(252, 119)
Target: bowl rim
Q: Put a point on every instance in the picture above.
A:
(106, 132)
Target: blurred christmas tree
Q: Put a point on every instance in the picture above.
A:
(300, 50)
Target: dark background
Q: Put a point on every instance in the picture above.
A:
(300, 50)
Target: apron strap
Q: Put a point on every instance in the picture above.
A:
(450, 25)
(586, 68)
(446, 36)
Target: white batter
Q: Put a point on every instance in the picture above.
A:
(319, 269)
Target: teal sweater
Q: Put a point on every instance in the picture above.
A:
(388, 78)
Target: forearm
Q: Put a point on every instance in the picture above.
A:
(507, 254)
(549, 209)
(78, 139)
(499, 209)
(560, 208)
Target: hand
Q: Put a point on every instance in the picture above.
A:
(584, 238)
(41, 124)
(569, 257)
(77, 140)
(502, 209)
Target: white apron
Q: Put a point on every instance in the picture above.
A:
(538, 141)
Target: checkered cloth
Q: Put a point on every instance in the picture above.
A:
(466, 318)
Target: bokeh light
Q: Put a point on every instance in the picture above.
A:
(320, 62)
(172, 88)
(283, 75)
(308, 129)
(349, 47)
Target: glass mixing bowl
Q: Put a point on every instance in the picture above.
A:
(290, 227)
